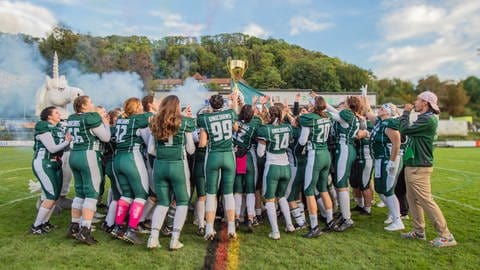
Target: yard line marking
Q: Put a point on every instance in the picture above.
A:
(18, 200)
(457, 171)
(456, 202)
(14, 170)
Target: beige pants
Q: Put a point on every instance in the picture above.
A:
(419, 197)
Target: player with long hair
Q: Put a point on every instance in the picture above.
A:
(131, 136)
(315, 132)
(173, 139)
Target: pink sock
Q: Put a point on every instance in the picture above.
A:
(135, 213)
(122, 210)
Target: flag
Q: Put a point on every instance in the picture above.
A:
(247, 91)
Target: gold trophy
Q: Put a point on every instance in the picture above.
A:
(236, 68)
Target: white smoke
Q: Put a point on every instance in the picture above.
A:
(21, 75)
(23, 70)
(107, 89)
(191, 93)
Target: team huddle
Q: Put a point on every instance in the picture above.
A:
(237, 157)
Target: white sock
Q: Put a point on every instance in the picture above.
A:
(158, 217)
(250, 202)
(200, 210)
(41, 215)
(86, 223)
(393, 206)
(231, 227)
(368, 209)
(243, 208)
(313, 221)
(258, 211)
(283, 203)
(238, 204)
(344, 201)
(179, 220)
(47, 218)
(359, 201)
(110, 218)
(209, 228)
(329, 215)
(272, 216)
(321, 207)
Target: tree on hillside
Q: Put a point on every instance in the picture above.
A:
(456, 99)
(472, 87)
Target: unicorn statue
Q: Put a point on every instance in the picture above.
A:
(56, 92)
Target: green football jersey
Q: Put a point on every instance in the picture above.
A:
(219, 127)
(57, 134)
(319, 130)
(79, 126)
(277, 137)
(346, 135)
(126, 131)
(381, 145)
(363, 145)
(298, 152)
(246, 132)
(173, 148)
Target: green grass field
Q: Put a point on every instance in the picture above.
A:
(455, 184)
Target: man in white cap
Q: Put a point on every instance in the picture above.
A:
(419, 167)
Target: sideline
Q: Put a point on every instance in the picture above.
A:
(19, 200)
(456, 202)
(14, 170)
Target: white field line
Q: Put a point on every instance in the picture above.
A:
(456, 202)
(457, 171)
(18, 200)
(14, 170)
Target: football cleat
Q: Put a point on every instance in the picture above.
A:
(330, 226)
(274, 235)
(37, 230)
(175, 244)
(106, 228)
(397, 225)
(117, 231)
(313, 233)
(290, 229)
(209, 236)
(72, 230)
(250, 226)
(48, 227)
(153, 242)
(388, 220)
(132, 237)
(201, 231)
(85, 236)
(346, 224)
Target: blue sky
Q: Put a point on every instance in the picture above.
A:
(408, 39)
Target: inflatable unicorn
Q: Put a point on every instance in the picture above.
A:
(56, 92)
